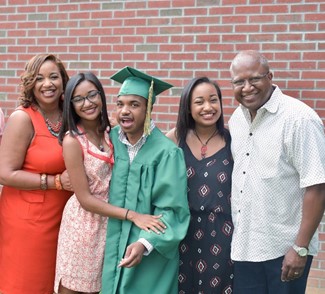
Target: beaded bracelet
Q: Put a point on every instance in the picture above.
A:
(58, 184)
(126, 215)
(43, 181)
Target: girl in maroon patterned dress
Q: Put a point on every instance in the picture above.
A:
(205, 264)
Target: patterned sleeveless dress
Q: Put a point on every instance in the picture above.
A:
(82, 234)
(205, 264)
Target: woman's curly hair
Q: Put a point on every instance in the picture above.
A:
(29, 76)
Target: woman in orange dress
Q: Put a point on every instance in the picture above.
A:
(35, 184)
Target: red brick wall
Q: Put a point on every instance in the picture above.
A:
(175, 40)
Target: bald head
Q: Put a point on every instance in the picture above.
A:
(251, 80)
(246, 57)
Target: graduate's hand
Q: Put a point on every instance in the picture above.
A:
(147, 222)
(133, 255)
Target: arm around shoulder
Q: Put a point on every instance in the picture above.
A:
(172, 135)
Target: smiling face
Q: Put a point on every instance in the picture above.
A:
(87, 109)
(49, 85)
(131, 114)
(248, 66)
(205, 105)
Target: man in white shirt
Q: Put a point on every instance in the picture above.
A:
(278, 190)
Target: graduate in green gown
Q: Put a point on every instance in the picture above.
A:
(149, 176)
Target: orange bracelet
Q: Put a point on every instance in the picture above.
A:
(58, 184)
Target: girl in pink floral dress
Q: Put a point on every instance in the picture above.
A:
(88, 155)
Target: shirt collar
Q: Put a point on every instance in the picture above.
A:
(123, 138)
(271, 105)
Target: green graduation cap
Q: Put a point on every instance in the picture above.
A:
(135, 82)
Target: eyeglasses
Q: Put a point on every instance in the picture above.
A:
(91, 97)
(251, 81)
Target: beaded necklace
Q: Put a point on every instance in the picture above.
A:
(54, 128)
(204, 147)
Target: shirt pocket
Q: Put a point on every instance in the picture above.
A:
(268, 160)
(31, 206)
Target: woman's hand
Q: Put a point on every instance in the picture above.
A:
(65, 181)
(113, 121)
(147, 222)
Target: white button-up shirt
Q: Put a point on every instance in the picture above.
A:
(276, 156)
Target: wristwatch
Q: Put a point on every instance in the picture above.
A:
(301, 251)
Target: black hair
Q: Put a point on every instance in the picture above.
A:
(185, 121)
(70, 117)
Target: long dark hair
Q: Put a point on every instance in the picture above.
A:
(185, 121)
(29, 76)
(70, 117)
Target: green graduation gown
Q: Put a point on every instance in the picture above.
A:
(154, 183)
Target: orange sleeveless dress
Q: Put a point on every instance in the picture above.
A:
(30, 220)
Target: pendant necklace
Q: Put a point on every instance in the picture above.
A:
(101, 146)
(204, 147)
(96, 139)
(54, 128)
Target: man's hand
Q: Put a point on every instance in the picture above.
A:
(133, 255)
(293, 266)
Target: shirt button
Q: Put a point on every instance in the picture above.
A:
(244, 172)
(251, 134)
(247, 154)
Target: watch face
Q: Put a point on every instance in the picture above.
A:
(303, 252)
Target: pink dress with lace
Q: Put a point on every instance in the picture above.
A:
(83, 234)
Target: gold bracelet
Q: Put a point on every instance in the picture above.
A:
(58, 184)
(43, 181)
(126, 215)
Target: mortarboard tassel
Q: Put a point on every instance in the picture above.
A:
(147, 130)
